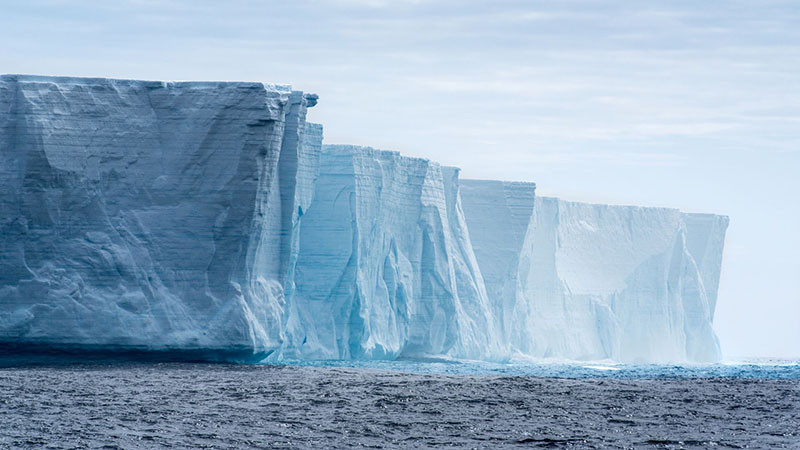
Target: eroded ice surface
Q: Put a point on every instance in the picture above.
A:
(595, 282)
(385, 267)
(498, 215)
(208, 217)
(144, 214)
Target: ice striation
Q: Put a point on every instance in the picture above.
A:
(207, 220)
(385, 267)
(145, 215)
(594, 282)
(491, 206)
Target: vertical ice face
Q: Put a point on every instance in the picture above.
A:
(144, 214)
(631, 284)
(208, 217)
(498, 214)
(705, 239)
(487, 340)
(609, 278)
(300, 180)
(297, 168)
(380, 273)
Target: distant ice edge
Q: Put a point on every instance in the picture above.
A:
(599, 282)
(206, 221)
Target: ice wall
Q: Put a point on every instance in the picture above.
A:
(594, 282)
(385, 267)
(146, 215)
(705, 239)
(207, 219)
(297, 199)
(498, 214)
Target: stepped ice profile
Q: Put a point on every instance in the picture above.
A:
(207, 220)
(385, 269)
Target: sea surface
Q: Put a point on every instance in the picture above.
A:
(401, 404)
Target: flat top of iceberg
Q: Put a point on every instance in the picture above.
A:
(581, 204)
(476, 182)
(363, 150)
(98, 80)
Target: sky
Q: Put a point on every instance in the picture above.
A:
(686, 104)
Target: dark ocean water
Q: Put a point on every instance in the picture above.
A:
(407, 405)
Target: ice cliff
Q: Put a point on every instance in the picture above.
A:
(490, 206)
(147, 215)
(593, 282)
(385, 267)
(208, 220)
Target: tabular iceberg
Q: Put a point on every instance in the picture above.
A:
(385, 269)
(498, 215)
(207, 219)
(145, 215)
(592, 282)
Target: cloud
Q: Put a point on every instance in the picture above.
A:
(375, 3)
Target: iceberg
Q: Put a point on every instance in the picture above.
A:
(498, 215)
(595, 282)
(385, 267)
(148, 216)
(207, 220)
